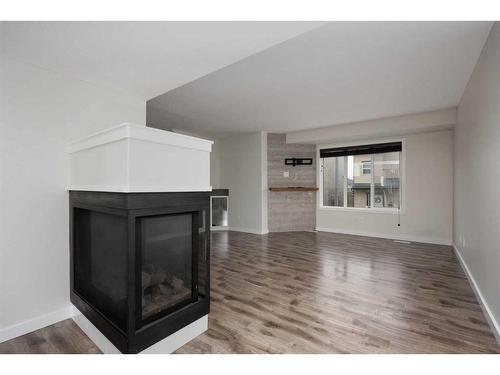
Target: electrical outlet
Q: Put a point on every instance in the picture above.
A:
(286, 174)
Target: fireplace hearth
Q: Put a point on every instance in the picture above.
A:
(140, 263)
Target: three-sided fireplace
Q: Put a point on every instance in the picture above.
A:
(140, 263)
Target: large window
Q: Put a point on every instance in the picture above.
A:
(365, 176)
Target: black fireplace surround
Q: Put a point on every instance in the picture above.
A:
(140, 263)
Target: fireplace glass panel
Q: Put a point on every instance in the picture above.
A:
(166, 244)
(219, 211)
(100, 262)
(204, 235)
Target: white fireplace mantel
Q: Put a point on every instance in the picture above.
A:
(133, 158)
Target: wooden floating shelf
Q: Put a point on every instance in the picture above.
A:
(293, 188)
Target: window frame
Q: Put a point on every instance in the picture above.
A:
(371, 209)
(363, 166)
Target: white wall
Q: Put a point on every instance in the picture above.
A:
(477, 176)
(215, 165)
(427, 196)
(40, 113)
(243, 170)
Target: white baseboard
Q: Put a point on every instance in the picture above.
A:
(31, 325)
(173, 342)
(434, 241)
(94, 334)
(493, 323)
(248, 230)
(219, 229)
(166, 346)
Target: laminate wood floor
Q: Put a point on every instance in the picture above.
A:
(64, 337)
(304, 292)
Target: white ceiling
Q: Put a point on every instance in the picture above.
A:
(148, 58)
(338, 73)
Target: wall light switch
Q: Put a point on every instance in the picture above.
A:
(286, 174)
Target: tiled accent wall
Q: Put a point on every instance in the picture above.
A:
(290, 211)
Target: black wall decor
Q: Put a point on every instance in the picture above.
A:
(295, 161)
(140, 263)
